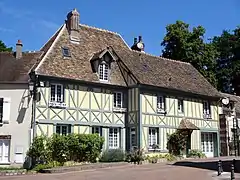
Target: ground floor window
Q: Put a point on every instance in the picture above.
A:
(63, 129)
(114, 138)
(4, 150)
(152, 137)
(133, 138)
(97, 130)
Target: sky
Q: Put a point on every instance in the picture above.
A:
(35, 21)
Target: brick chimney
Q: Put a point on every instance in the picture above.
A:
(73, 20)
(19, 46)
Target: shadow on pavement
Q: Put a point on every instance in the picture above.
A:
(210, 165)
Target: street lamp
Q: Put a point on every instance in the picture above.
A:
(31, 87)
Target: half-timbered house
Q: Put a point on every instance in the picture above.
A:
(90, 81)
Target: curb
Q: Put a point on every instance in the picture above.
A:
(15, 173)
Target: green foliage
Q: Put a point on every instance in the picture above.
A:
(40, 167)
(57, 149)
(170, 157)
(176, 142)
(113, 155)
(182, 44)
(196, 154)
(4, 48)
(135, 156)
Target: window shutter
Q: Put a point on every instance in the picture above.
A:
(6, 110)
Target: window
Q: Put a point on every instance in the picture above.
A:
(206, 108)
(4, 150)
(66, 52)
(97, 130)
(180, 106)
(57, 93)
(133, 137)
(1, 110)
(103, 71)
(160, 104)
(152, 137)
(114, 138)
(118, 99)
(63, 129)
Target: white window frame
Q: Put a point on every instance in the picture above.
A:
(103, 71)
(55, 97)
(116, 104)
(97, 130)
(180, 105)
(68, 129)
(4, 153)
(114, 138)
(160, 102)
(206, 108)
(152, 137)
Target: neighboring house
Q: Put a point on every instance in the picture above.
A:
(229, 123)
(15, 104)
(90, 81)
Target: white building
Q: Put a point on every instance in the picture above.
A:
(15, 105)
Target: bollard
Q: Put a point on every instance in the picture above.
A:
(219, 168)
(234, 164)
(232, 172)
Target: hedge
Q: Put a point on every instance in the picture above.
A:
(72, 147)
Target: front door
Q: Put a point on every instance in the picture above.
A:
(207, 144)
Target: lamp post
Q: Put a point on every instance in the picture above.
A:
(32, 90)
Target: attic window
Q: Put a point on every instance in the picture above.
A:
(103, 71)
(66, 52)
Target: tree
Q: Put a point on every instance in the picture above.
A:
(228, 59)
(3, 47)
(182, 44)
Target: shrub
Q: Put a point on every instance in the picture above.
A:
(113, 155)
(176, 142)
(135, 156)
(196, 153)
(40, 167)
(60, 149)
(38, 151)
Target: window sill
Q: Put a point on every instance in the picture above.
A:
(54, 104)
(117, 109)
(180, 113)
(5, 163)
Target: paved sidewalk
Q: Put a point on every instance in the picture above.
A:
(132, 172)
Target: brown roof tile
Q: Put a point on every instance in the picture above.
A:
(149, 70)
(185, 124)
(16, 70)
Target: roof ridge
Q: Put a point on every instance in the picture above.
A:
(160, 57)
(100, 29)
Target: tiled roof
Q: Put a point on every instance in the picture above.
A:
(185, 124)
(16, 70)
(148, 69)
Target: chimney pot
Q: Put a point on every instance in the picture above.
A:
(19, 46)
(135, 41)
(139, 38)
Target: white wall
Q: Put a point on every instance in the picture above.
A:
(19, 118)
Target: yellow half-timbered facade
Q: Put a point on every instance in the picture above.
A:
(88, 80)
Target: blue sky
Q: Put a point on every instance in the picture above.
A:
(35, 21)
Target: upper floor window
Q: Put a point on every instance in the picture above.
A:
(66, 52)
(206, 109)
(97, 130)
(1, 110)
(57, 93)
(103, 71)
(63, 129)
(180, 106)
(118, 100)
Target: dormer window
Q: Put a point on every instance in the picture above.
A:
(65, 52)
(103, 71)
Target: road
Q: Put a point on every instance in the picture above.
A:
(129, 172)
